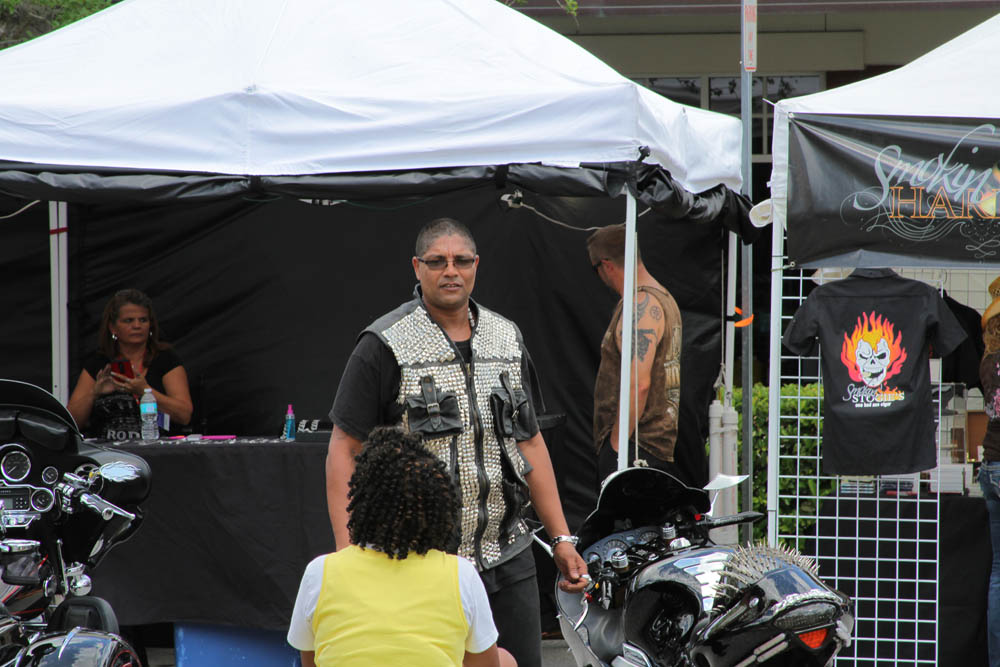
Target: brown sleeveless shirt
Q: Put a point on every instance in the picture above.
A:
(657, 432)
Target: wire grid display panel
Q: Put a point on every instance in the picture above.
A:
(874, 538)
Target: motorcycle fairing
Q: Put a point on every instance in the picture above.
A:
(642, 496)
(78, 647)
(15, 394)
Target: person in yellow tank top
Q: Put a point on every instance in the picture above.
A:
(401, 599)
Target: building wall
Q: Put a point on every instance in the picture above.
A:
(678, 45)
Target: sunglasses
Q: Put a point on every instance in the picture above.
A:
(438, 263)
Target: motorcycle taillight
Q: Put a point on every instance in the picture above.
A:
(814, 638)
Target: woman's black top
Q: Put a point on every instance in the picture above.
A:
(115, 416)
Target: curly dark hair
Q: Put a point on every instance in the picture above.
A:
(401, 497)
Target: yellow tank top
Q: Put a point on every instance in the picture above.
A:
(374, 610)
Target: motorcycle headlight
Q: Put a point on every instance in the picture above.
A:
(807, 616)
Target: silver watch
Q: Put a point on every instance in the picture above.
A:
(572, 539)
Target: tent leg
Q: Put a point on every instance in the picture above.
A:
(628, 308)
(730, 349)
(59, 286)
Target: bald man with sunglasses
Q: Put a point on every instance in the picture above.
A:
(455, 372)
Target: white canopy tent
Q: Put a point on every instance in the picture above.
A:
(947, 82)
(258, 88)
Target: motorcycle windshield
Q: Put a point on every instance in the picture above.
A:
(643, 496)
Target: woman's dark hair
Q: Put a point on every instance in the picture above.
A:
(108, 345)
(402, 498)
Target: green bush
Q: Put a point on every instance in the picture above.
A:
(799, 431)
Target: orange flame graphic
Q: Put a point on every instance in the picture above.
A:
(872, 330)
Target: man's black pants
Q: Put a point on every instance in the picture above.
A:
(513, 592)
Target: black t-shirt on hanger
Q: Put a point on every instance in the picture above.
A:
(875, 329)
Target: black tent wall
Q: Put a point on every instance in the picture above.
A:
(264, 299)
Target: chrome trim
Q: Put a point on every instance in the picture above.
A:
(814, 595)
(773, 652)
(80, 585)
(707, 569)
(119, 471)
(69, 637)
(18, 546)
(633, 653)
(769, 643)
(49, 497)
(583, 616)
(46, 473)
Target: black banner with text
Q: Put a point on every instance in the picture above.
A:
(890, 190)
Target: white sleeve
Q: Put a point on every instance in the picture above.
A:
(300, 629)
(482, 631)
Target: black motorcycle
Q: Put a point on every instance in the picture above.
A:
(663, 594)
(63, 505)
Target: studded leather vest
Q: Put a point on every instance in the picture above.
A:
(449, 403)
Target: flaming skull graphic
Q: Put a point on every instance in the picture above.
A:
(874, 352)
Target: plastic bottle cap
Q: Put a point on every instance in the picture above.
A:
(290, 409)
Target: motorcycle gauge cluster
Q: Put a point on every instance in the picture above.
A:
(15, 465)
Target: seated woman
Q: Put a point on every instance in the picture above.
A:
(104, 401)
(397, 598)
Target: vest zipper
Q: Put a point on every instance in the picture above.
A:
(484, 485)
(482, 517)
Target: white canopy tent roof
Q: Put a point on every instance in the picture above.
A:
(294, 88)
(291, 87)
(950, 81)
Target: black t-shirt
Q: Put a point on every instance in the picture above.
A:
(369, 387)
(875, 328)
(165, 361)
(115, 416)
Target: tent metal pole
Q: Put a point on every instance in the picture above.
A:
(746, 278)
(59, 297)
(730, 324)
(628, 308)
(774, 381)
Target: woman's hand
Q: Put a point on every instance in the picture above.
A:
(104, 383)
(134, 386)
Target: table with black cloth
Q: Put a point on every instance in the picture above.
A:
(963, 568)
(229, 528)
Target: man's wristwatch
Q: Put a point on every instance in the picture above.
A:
(572, 539)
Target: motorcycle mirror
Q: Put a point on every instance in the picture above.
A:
(720, 482)
(723, 481)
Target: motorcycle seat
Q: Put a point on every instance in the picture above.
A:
(89, 612)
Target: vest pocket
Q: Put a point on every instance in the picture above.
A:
(513, 414)
(433, 413)
(516, 494)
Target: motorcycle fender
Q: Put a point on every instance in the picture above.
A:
(82, 647)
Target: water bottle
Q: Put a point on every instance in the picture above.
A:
(147, 411)
(288, 432)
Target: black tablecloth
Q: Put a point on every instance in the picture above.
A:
(865, 566)
(229, 529)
